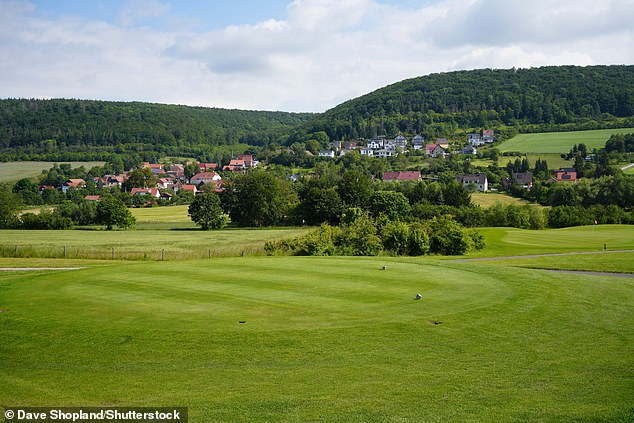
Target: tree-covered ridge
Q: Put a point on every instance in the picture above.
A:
(60, 125)
(440, 103)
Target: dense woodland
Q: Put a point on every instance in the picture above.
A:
(445, 104)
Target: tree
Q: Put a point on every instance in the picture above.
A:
(9, 205)
(394, 205)
(259, 199)
(140, 178)
(355, 188)
(111, 211)
(206, 212)
(321, 205)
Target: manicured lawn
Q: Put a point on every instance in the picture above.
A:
(13, 171)
(560, 142)
(322, 339)
(555, 161)
(511, 241)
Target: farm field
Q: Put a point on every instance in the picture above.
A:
(327, 339)
(555, 161)
(560, 142)
(13, 171)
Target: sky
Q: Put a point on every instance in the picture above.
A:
(296, 56)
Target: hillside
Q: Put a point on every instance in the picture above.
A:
(511, 101)
(89, 129)
(528, 100)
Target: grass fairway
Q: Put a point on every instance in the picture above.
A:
(324, 339)
(13, 171)
(560, 142)
(512, 241)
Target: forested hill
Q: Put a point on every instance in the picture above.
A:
(535, 99)
(86, 129)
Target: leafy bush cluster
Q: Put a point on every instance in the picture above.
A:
(362, 235)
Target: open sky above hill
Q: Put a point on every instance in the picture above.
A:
(301, 55)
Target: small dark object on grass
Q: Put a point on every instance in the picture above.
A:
(418, 296)
(384, 267)
(435, 322)
(3, 311)
(242, 322)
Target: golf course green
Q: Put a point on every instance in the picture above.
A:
(321, 339)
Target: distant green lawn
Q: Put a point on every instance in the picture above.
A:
(560, 142)
(488, 199)
(322, 339)
(555, 161)
(13, 171)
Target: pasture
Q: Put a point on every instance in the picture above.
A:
(560, 142)
(321, 339)
(14, 171)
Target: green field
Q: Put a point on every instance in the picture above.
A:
(323, 339)
(488, 199)
(142, 244)
(13, 171)
(555, 161)
(560, 142)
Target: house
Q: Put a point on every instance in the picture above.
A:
(156, 168)
(469, 150)
(248, 160)
(376, 144)
(166, 196)
(435, 150)
(349, 145)
(366, 151)
(165, 183)
(443, 142)
(400, 141)
(335, 145)
(152, 192)
(418, 142)
(206, 167)
(327, 153)
(235, 165)
(73, 184)
(475, 140)
(176, 170)
(41, 188)
(187, 187)
(480, 180)
(401, 176)
(564, 175)
(386, 152)
(488, 135)
(205, 178)
(93, 198)
(523, 179)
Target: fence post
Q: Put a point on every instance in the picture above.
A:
(163, 254)
(209, 253)
(64, 251)
(113, 253)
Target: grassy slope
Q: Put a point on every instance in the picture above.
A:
(491, 198)
(13, 171)
(559, 142)
(328, 339)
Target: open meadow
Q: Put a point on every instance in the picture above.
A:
(14, 171)
(325, 338)
(560, 142)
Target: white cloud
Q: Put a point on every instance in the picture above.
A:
(322, 53)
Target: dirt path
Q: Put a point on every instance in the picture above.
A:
(624, 168)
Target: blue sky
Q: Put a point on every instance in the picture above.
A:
(293, 55)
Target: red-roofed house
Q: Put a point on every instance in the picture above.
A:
(185, 187)
(248, 160)
(435, 150)
(205, 178)
(235, 165)
(152, 192)
(93, 198)
(73, 183)
(401, 176)
(565, 175)
(205, 167)
(156, 167)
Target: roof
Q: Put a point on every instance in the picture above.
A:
(92, 197)
(477, 178)
(145, 191)
(211, 176)
(402, 176)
